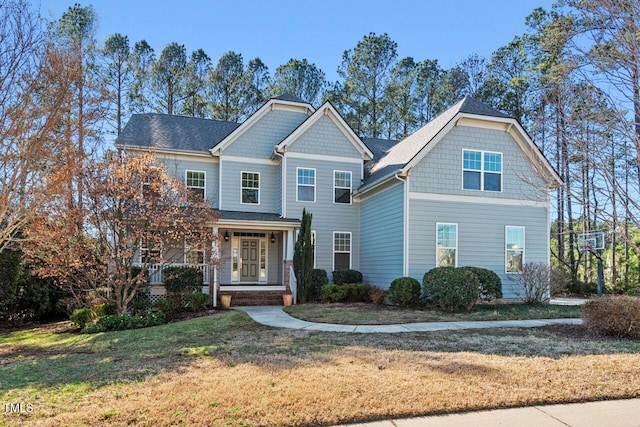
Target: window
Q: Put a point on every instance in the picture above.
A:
(195, 182)
(481, 170)
(150, 252)
(251, 188)
(342, 187)
(446, 245)
(341, 250)
(306, 185)
(514, 249)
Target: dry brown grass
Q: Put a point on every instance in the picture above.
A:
(246, 374)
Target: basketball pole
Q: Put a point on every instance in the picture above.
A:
(598, 254)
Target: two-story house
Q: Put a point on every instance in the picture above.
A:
(469, 188)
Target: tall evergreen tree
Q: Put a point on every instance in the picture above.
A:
(300, 78)
(303, 257)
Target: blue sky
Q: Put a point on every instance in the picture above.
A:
(277, 30)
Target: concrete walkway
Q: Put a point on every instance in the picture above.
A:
(276, 317)
(614, 413)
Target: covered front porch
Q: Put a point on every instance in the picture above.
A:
(255, 252)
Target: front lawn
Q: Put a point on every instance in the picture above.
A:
(224, 369)
(370, 314)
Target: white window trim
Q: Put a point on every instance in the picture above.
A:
(482, 171)
(315, 180)
(250, 188)
(203, 188)
(524, 247)
(333, 249)
(350, 187)
(455, 262)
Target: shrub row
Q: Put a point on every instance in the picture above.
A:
(349, 292)
(126, 321)
(448, 288)
(615, 316)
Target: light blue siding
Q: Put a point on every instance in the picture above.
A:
(324, 137)
(260, 140)
(327, 216)
(232, 186)
(177, 167)
(441, 169)
(382, 236)
(481, 235)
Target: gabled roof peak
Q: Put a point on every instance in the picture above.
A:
(290, 98)
(471, 105)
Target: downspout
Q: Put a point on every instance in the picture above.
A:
(405, 226)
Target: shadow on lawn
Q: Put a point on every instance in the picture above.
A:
(230, 338)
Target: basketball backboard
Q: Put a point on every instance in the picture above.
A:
(593, 241)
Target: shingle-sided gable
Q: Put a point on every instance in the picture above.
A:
(258, 135)
(407, 153)
(325, 133)
(166, 132)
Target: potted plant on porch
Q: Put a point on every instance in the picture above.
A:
(225, 300)
(287, 299)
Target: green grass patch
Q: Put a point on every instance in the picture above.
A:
(370, 314)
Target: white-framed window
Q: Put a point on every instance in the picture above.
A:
(481, 170)
(150, 252)
(341, 250)
(306, 185)
(250, 188)
(193, 254)
(342, 187)
(195, 181)
(446, 245)
(514, 248)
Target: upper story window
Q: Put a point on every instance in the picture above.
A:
(342, 187)
(251, 188)
(481, 170)
(195, 182)
(306, 185)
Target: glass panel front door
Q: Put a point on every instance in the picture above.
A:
(250, 256)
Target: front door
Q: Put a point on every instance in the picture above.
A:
(250, 255)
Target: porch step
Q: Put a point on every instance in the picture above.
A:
(241, 298)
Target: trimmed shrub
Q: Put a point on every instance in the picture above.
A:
(633, 292)
(180, 282)
(199, 301)
(490, 283)
(450, 288)
(167, 306)
(377, 295)
(350, 292)
(404, 291)
(341, 277)
(126, 321)
(82, 317)
(318, 279)
(533, 283)
(104, 309)
(615, 316)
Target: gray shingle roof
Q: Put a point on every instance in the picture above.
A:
(290, 98)
(404, 151)
(163, 131)
(254, 216)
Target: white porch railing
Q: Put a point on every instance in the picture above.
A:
(293, 284)
(156, 276)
